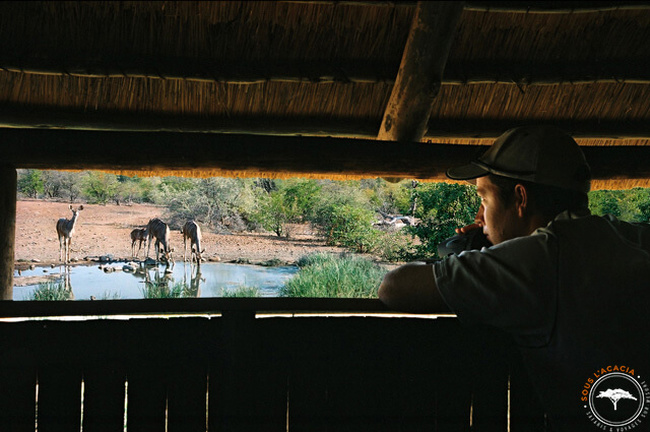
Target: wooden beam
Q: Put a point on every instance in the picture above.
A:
(506, 6)
(420, 74)
(7, 230)
(230, 153)
(250, 155)
(26, 117)
(191, 306)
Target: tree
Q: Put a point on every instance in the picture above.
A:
(30, 182)
(615, 395)
(441, 208)
(99, 187)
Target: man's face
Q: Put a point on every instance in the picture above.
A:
(500, 221)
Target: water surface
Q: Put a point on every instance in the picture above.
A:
(207, 280)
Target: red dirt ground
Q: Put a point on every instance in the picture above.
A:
(105, 229)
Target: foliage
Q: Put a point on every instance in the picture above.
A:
(283, 202)
(350, 227)
(30, 183)
(394, 246)
(221, 203)
(326, 275)
(631, 205)
(51, 291)
(442, 208)
(242, 291)
(99, 187)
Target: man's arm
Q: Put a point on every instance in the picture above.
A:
(412, 288)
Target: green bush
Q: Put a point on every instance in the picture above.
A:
(442, 208)
(30, 183)
(326, 275)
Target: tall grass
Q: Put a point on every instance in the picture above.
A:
(242, 291)
(51, 291)
(327, 275)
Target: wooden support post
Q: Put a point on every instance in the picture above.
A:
(420, 74)
(8, 178)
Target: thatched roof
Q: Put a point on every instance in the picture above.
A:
(170, 76)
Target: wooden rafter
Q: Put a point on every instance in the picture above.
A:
(29, 117)
(253, 155)
(420, 74)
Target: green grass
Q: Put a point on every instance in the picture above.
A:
(242, 291)
(51, 291)
(326, 275)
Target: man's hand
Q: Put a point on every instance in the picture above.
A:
(468, 228)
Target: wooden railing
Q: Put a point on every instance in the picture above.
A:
(255, 365)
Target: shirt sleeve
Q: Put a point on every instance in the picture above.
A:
(511, 286)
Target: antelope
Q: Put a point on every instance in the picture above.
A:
(160, 231)
(192, 232)
(65, 230)
(138, 234)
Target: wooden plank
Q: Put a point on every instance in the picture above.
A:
(267, 154)
(490, 379)
(187, 372)
(526, 412)
(146, 372)
(145, 307)
(105, 375)
(59, 376)
(249, 392)
(420, 73)
(309, 375)
(8, 178)
(451, 363)
(18, 364)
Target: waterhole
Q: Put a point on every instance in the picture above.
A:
(182, 280)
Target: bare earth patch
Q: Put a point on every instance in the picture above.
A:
(105, 229)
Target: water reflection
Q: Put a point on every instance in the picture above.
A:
(122, 281)
(159, 284)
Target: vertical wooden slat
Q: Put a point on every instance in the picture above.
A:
(452, 363)
(526, 412)
(17, 377)
(8, 179)
(147, 397)
(366, 365)
(59, 376)
(490, 380)
(104, 376)
(309, 374)
(187, 368)
(250, 391)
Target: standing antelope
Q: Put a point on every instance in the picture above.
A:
(138, 234)
(192, 232)
(65, 230)
(160, 231)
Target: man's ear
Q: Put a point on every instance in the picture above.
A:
(521, 199)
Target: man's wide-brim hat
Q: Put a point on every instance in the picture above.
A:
(538, 154)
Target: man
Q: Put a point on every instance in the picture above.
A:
(572, 289)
